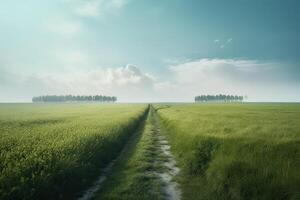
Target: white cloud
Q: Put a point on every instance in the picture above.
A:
(207, 70)
(95, 8)
(128, 83)
(223, 43)
(89, 9)
(116, 4)
(259, 80)
(229, 40)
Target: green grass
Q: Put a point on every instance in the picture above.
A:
(52, 151)
(133, 176)
(225, 151)
(235, 151)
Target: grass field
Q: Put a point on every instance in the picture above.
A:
(133, 176)
(51, 151)
(222, 151)
(235, 151)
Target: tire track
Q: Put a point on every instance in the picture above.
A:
(170, 170)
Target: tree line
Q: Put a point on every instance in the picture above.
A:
(219, 98)
(67, 98)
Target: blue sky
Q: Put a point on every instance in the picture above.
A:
(160, 50)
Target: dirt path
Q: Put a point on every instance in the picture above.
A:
(146, 168)
(171, 187)
(170, 170)
(90, 193)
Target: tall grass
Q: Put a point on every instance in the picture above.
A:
(236, 151)
(134, 177)
(52, 151)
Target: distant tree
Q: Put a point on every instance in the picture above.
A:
(241, 98)
(218, 98)
(69, 98)
(236, 98)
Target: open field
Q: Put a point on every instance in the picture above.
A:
(169, 151)
(150, 100)
(235, 151)
(51, 151)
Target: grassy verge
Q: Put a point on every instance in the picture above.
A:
(134, 174)
(52, 151)
(236, 151)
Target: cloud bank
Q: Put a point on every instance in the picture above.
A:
(128, 83)
(260, 81)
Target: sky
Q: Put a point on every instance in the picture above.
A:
(150, 51)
